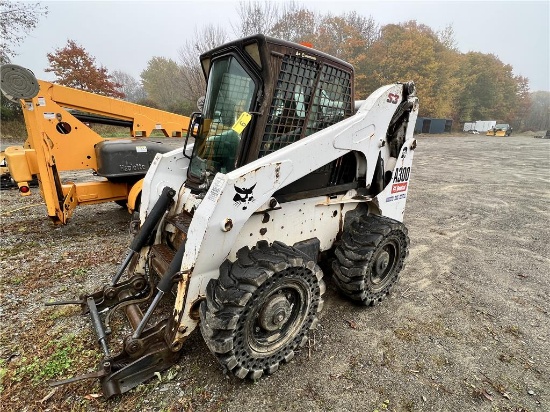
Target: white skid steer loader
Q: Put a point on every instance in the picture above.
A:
(287, 174)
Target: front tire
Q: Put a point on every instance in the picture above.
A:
(261, 308)
(370, 257)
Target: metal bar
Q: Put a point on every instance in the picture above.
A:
(64, 302)
(164, 286)
(105, 370)
(122, 267)
(134, 315)
(150, 309)
(98, 326)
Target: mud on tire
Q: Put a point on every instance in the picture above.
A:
(370, 257)
(261, 308)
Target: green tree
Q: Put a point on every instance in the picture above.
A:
(163, 83)
(74, 67)
(491, 91)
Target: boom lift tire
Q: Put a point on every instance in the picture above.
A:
(370, 257)
(261, 308)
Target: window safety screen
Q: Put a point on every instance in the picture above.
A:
(303, 83)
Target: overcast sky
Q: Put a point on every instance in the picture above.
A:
(124, 35)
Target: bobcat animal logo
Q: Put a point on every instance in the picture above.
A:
(243, 196)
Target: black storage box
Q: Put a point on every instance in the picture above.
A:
(126, 157)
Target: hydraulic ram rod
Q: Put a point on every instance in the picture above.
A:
(146, 229)
(164, 286)
(98, 326)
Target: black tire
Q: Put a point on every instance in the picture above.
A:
(370, 257)
(261, 308)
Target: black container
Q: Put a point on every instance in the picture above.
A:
(126, 157)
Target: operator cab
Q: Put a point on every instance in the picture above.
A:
(264, 94)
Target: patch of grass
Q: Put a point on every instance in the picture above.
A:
(63, 353)
(13, 131)
(63, 312)
(383, 406)
(17, 280)
(79, 272)
(3, 371)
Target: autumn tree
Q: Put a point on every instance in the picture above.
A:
(74, 67)
(491, 91)
(17, 19)
(131, 88)
(256, 17)
(412, 51)
(295, 23)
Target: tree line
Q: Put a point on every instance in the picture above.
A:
(452, 85)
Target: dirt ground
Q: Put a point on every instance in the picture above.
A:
(465, 329)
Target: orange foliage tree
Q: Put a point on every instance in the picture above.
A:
(74, 67)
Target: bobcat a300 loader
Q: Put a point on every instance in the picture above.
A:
(287, 173)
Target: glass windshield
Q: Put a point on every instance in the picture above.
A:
(229, 93)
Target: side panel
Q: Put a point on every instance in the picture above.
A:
(393, 198)
(169, 169)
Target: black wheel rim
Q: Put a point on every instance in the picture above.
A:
(383, 263)
(279, 315)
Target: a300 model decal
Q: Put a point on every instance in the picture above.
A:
(399, 183)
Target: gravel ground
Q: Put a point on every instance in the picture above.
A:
(466, 328)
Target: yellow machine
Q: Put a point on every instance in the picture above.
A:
(501, 129)
(59, 139)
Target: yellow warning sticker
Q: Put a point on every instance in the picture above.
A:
(242, 122)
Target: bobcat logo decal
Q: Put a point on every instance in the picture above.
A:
(243, 196)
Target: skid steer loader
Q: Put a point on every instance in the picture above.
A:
(283, 179)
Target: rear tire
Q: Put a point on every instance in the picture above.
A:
(261, 308)
(370, 257)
